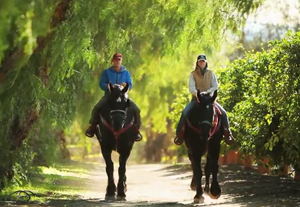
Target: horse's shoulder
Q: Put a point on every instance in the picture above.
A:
(129, 111)
(193, 113)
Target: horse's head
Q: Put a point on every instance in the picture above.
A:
(202, 116)
(118, 101)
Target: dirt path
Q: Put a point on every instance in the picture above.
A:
(154, 184)
(165, 185)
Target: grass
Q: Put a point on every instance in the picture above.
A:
(63, 181)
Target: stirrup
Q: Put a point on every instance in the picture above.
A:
(178, 140)
(89, 135)
(138, 137)
(90, 132)
(229, 139)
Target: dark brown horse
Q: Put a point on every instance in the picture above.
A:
(115, 131)
(204, 134)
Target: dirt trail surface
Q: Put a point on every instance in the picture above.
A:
(166, 185)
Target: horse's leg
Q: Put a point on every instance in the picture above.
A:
(195, 158)
(111, 187)
(214, 151)
(122, 170)
(193, 181)
(207, 173)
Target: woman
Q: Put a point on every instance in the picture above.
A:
(204, 80)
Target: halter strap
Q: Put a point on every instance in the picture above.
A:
(117, 133)
(215, 126)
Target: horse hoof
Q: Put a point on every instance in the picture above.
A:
(121, 197)
(214, 196)
(199, 199)
(110, 197)
(215, 191)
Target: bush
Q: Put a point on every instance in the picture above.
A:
(260, 86)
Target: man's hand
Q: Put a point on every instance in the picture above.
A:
(123, 84)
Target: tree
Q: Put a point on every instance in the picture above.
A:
(49, 50)
(269, 86)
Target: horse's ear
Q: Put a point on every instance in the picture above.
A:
(109, 86)
(213, 98)
(125, 89)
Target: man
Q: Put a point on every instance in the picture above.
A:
(116, 74)
(205, 81)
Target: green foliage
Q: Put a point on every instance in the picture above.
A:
(63, 181)
(22, 21)
(57, 77)
(259, 86)
(181, 100)
(23, 166)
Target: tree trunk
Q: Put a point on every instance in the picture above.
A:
(297, 172)
(20, 132)
(63, 145)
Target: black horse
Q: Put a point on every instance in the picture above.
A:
(115, 131)
(204, 134)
